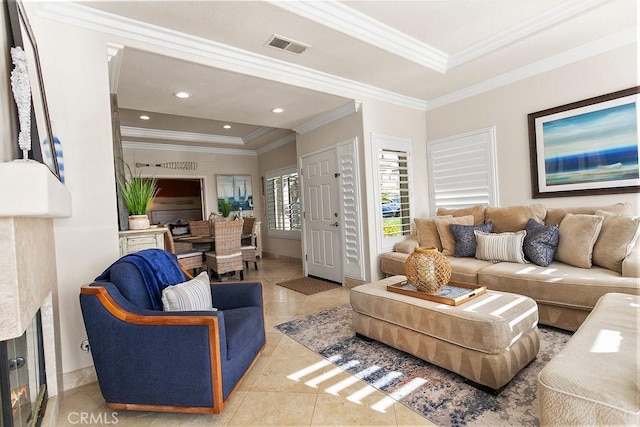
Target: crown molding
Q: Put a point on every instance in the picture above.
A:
(346, 20)
(328, 117)
(257, 133)
(137, 132)
(579, 53)
(219, 55)
(277, 143)
(185, 148)
(548, 18)
(114, 55)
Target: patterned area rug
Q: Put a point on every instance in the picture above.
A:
(308, 285)
(442, 396)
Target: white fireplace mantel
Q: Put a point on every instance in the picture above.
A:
(30, 197)
(29, 189)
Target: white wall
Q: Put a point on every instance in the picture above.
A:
(74, 65)
(507, 109)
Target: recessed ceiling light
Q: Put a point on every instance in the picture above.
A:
(144, 117)
(277, 110)
(182, 95)
(227, 126)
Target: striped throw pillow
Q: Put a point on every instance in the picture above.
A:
(194, 295)
(498, 247)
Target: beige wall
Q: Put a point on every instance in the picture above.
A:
(507, 109)
(392, 120)
(209, 165)
(278, 158)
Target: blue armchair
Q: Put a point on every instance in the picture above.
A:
(147, 359)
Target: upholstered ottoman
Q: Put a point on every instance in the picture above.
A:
(593, 380)
(487, 340)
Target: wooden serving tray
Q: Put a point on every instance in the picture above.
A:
(453, 293)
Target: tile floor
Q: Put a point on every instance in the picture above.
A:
(275, 392)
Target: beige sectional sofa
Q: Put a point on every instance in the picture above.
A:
(596, 254)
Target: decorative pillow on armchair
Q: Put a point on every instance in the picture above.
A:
(466, 239)
(194, 295)
(541, 242)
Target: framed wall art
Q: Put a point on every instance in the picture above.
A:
(44, 146)
(587, 147)
(235, 189)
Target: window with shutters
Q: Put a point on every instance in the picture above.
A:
(283, 203)
(462, 170)
(393, 190)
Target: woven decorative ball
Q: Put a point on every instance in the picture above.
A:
(427, 269)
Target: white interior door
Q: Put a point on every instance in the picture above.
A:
(323, 237)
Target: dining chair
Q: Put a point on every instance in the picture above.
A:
(188, 258)
(227, 256)
(249, 248)
(199, 228)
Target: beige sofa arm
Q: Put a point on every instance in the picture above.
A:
(407, 246)
(631, 264)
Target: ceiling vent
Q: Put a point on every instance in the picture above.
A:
(286, 44)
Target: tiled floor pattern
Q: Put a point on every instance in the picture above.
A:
(289, 385)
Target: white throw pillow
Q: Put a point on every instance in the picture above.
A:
(194, 295)
(497, 247)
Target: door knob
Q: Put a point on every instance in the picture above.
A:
(335, 224)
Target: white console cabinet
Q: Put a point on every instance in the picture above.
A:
(137, 240)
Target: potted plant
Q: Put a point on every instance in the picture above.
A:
(225, 207)
(138, 192)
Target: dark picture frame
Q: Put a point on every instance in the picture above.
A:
(236, 189)
(587, 147)
(43, 147)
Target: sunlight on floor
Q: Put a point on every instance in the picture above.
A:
(358, 396)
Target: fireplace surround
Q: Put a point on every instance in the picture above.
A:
(32, 198)
(23, 383)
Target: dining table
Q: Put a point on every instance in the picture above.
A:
(204, 243)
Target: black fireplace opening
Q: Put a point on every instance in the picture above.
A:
(23, 385)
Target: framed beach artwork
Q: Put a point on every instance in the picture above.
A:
(586, 147)
(235, 189)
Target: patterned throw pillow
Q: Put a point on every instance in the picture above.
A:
(194, 295)
(466, 239)
(498, 247)
(446, 237)
(541, 242)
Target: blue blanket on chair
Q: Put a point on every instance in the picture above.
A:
(159, 269)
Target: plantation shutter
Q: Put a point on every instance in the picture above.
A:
(283, 201)
(393, 190)
(462, 170)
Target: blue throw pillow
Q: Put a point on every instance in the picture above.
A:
(466, 239)
(541, 242)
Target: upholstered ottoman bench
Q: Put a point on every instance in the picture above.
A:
(593, 380)
(487, 340)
